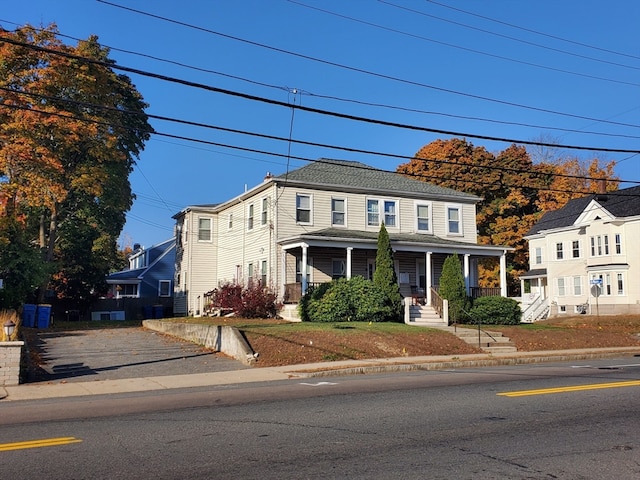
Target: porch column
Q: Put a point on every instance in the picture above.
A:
(466, 274)
(283, 275)
(503, 274)
(349, 250)
(427, 274)
(303, 270)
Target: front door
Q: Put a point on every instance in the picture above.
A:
(421, 274)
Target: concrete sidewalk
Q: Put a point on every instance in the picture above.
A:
(59, 389)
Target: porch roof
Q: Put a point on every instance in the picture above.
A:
(339, 237)
(132, 276)
(535, 273)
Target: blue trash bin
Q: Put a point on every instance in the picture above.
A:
(43, 316)
(29, 315)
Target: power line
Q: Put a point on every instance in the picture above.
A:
(466, 49)
(515, 39)
(261, 135)
(316, 110)
(555, 37)
(353, 101)
(360, 70)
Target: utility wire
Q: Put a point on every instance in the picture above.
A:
(346, 100)
(466, 49)
(316, 110)
(289, 139)
(555, 37)
(515, 39)
(358, 70)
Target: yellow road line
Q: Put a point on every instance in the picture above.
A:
(576, 388)
(47, 442)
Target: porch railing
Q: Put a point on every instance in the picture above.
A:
(437, 302)
(293, 291)
(477, 292)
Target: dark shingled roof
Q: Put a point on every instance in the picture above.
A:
(621, 203)
(357, 175)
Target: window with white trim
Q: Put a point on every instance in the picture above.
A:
(577, 285)
(303, 208)
(561, 290)
(264, 212)
(164, 288)
(620, 281)
(250, 217)
(204, 229)
(373, 213)
(618, 243)
(338, 212)
(599, 245)
(454, 220)
(263, 273)
(538, 255)
(423, 217)
(382, 211)
(575, 249)
(559, 251)
(390, 213)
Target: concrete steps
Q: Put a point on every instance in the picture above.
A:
(424, 316)
(488, 341)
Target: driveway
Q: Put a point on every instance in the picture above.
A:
(116, 353)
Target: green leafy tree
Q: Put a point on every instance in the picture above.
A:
(71, 131)
(452, 288)
(385, 274)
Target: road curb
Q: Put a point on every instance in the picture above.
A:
(490, 361)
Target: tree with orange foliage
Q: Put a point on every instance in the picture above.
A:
(514, 192)
(71, 131)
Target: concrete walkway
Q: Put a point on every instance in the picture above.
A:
(56, 389)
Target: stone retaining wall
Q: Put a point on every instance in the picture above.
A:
(10, 356)
(220, 338)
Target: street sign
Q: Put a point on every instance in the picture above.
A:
(596, 281)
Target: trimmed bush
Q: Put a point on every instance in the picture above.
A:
(452, 288)
(343, 300)
(496, 311)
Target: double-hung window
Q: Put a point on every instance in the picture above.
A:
(338, 212)
(373, 213)
(559, 251)
(561, 290)
(250, 217)
(575, 249)
(338, 268)
(577, 285)
(379, 211)
(423, 217)
(390, 213)
(538, 255)
(204, 229)
(263, 272)
(454, 220)
(263, 213)
(618, 241)
(303, 208)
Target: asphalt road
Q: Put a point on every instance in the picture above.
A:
(485, 423)
(117, 353)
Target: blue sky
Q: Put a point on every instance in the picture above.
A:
(566, 72)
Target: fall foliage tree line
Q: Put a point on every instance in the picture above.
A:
(71, 131)
(515, 192)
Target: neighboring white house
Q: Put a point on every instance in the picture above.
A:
(321, 222)
(585, 257)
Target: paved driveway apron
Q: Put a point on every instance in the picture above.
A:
(108, 354)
